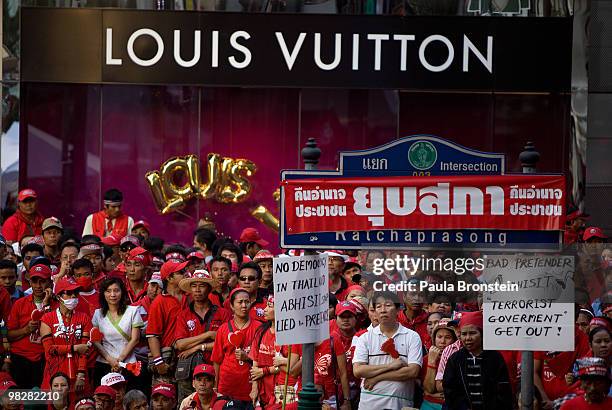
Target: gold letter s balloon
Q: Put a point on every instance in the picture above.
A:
(237, 187)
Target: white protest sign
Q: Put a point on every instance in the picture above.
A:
(301, 299)
(537, 317)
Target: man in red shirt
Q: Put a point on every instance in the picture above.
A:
(161, 327)
(27, 355)
(337, 284)
(52, 230)
(594, 375)
(137, 269)
(197, 325)
(110, 220)
(26, 220)
(414, 317)
(251, 242)
(82, 270)
(204, 396)
(220, 270)
(346, 319)
(249, 277)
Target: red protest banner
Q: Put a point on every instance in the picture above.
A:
(510, 202)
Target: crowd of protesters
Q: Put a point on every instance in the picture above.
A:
(114, 319)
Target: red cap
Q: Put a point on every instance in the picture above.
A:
(86, 402)
(5, 385)
(592, 366)
(593, 232)
(40, 271)
(139, 254)
(358, 306)
(471, 318)
(130, 239)
(65, 284)
(252, 235)
(107, 390)
(165, 389)
(144, 224)
(25, 194)
(170, 267)
(263, 254)
(600, 322)
(196, 255)
(111, 240)
(345, 307)
(204, 369)
(176, 256)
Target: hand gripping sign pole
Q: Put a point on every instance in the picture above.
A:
(529, 158)
(309, 396)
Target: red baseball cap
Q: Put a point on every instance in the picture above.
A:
(5, 385)
(165, 389)
(141, 255)
(107, 390)
(252, 235)
(170, 267)
(142, 223)
(40, 271)
(204, 369)
(25, 194)
(111, 240)
(65, 284)
(346, 307)
(593, 232)
(196, 255)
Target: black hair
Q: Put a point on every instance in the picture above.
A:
(8, 264)
(221, 259)
(114, 195)
(251, 265)
(69, 244)
(231, 246)
(333, 300)
(219, 243)
(597, 330)
(82, 263)
(68, 235)
(386, 295)
(351, 265)
(107, 252)
(32, 247)
(153, 244)
(245, 245)
(123, 302)
(206, 237)
(90, 239)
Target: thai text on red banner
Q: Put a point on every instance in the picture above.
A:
(509, 202)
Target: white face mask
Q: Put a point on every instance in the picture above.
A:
(70, 304)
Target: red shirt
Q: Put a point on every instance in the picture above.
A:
(556, 365)
(70, 333)
(217, 299)
(346, 343)
(5, 304)
(98, 279)
(579, 403)
(133, 298)
(215, 403)
(263, 352)
(91, 301)
(17, 226)
(233, 376)
(324, 374)
(162, 319)
(191, 324)
(30, 346)
(418, 324)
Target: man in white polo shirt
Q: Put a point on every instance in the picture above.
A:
(388, 369)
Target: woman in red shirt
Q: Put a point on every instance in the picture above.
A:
(231, 349)
(442, 336)
(64, 333)
(270, 364)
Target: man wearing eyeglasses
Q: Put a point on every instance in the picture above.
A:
(249, 277)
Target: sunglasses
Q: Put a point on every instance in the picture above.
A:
(248, 278)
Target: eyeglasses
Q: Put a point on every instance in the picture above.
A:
(248, 278)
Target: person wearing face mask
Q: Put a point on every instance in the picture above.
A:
(82, 272)
(65, 333)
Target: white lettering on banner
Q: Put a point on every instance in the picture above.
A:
(540, 316)
(301, 297)
(432, 200)
(378, 41)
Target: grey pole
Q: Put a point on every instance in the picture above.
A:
(529, 158)
(309, 396)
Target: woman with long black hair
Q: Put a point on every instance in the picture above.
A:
(120, 324)
(270, 364)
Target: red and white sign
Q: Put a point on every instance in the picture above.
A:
(510, 202)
